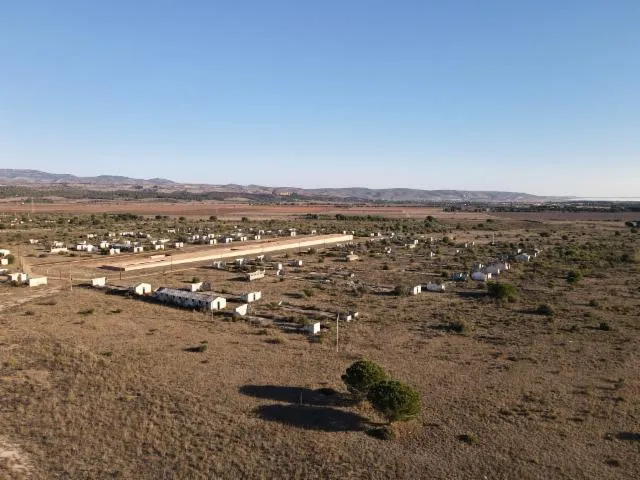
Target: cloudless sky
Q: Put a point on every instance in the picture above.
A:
(541, 96)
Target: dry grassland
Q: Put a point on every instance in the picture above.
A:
(97, 385)
(224, 209)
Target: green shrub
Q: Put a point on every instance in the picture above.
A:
(276, 339)
(401, 290)
(307, 292)
(459, 326)
(395, 400)
(382, 433)
(545, 309)
(574, 276)
(361, 375)
(502, 291)
(202, 347)
(468, 438)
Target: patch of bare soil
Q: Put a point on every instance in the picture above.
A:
(13, 463)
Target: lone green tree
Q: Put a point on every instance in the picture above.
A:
(503, 292)
(361, 375)
(395, 400)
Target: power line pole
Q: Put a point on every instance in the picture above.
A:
(337, 332)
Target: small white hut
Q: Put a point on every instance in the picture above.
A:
(241, 310)
(252, 297)
(435, 287)
(312, 328)
(480, 276)
(142, 289)
(37, 281)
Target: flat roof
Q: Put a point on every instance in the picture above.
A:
(218, 252)
(178, 293)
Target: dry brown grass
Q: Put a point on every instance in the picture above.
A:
(521, 395)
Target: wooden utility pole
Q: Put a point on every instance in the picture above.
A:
(337, 332)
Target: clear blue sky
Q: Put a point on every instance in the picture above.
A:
(539, 96)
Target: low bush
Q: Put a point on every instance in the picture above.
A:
(361, 375)
(395, 400)
(401, 290)
(468, 438)
(276, 340)
(459, 326)
(202, 347)
(574, 276)
(545, 309)
(381, 433)
(502, 291)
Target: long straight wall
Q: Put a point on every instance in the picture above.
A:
(255, 248)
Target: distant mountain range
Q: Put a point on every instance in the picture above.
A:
(28, 177)
(38, 179)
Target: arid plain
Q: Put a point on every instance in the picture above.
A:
(96, 383)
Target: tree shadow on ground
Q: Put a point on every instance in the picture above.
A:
(477, 295)
(389, 293)
(532, 311)
(444, 327)
(296, 295)
(241, 278)
(631, 436)
(298, 395)
(313, 418)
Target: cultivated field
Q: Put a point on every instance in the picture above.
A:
(96, 383)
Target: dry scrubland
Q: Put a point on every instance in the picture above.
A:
(222, 209)
(96, 385)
